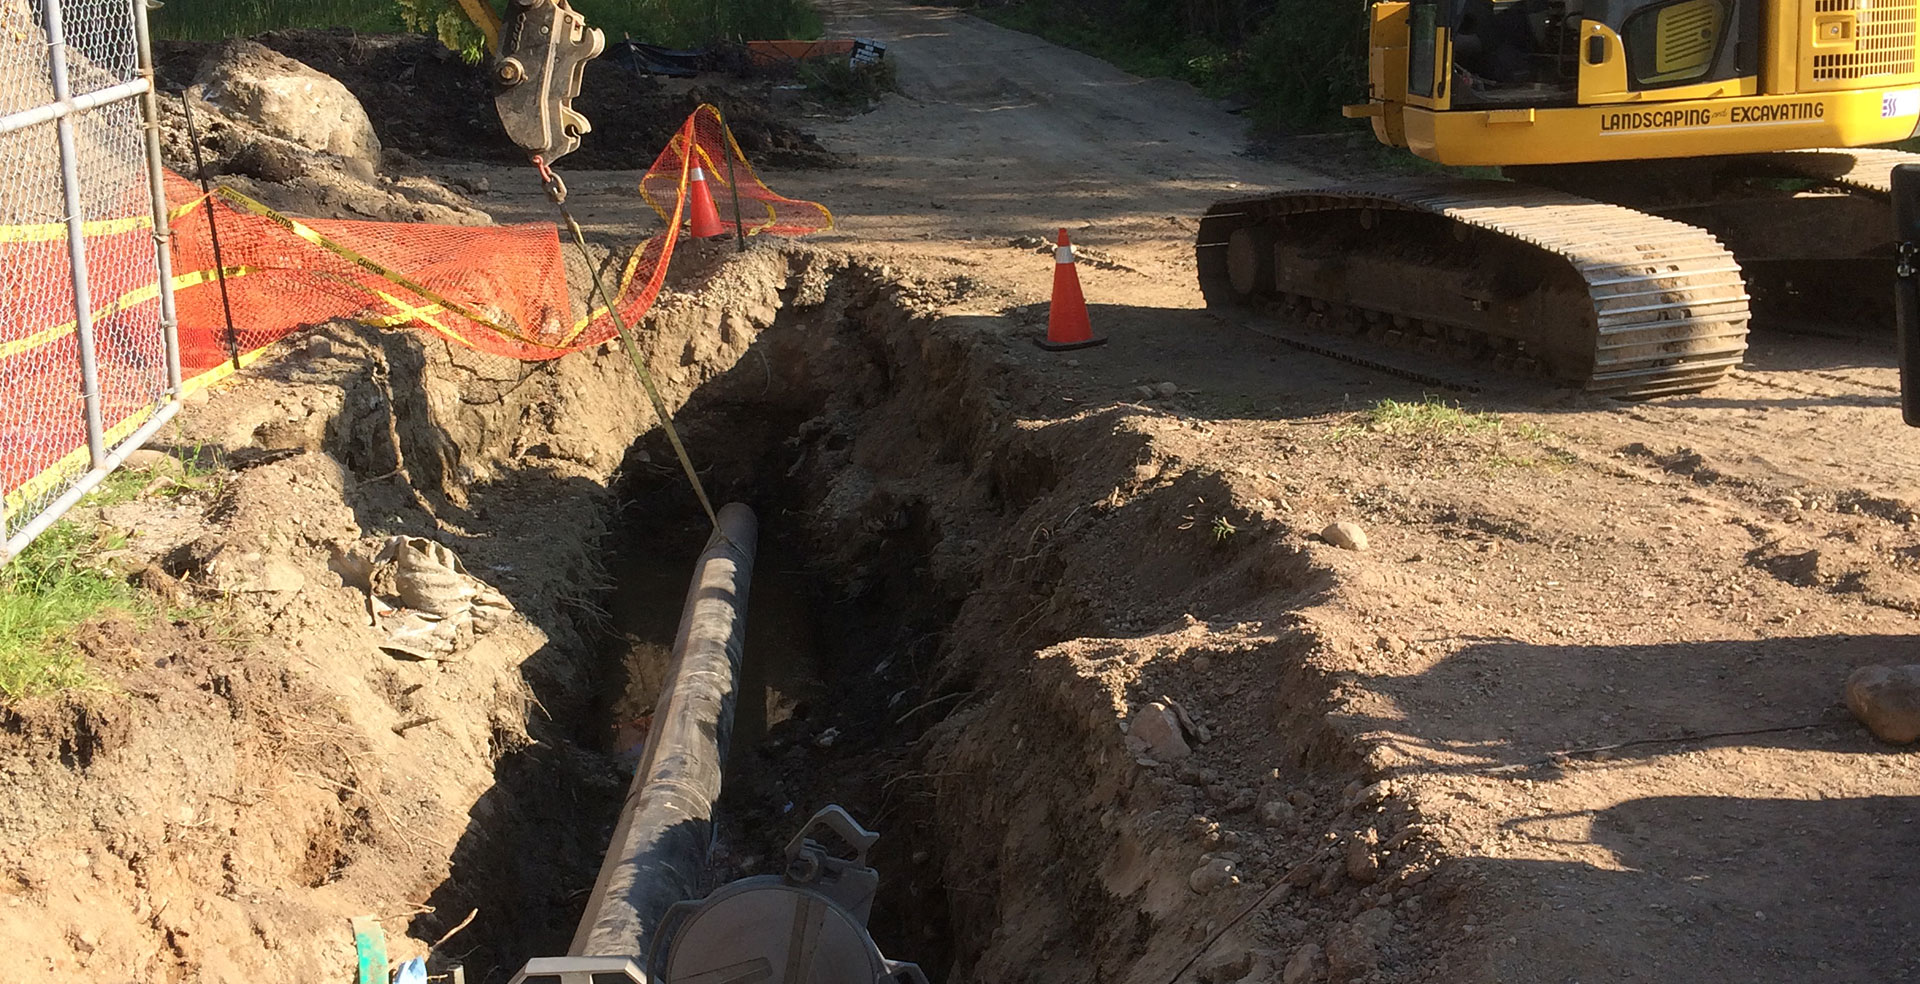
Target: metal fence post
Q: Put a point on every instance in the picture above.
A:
(156, 180)
(76, 236)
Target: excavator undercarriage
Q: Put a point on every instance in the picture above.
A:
(1665, 186)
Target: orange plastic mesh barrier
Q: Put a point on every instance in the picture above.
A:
(497, 289)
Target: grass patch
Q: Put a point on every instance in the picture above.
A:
(1433, 417)
(1427, 418)
(1502, 444)
(50, 589)
(837, 82)
(61, 581)
(215, 20)
(676, 23)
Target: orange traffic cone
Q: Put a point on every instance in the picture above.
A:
(705, 218)
(1067, 324)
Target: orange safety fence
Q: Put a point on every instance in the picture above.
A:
(496, 289)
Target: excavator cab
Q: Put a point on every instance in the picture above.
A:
(1518, 82)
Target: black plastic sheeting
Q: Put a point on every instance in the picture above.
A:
(650, 59)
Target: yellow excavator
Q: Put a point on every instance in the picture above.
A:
(1668, 172)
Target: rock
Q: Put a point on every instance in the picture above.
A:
(1166, 389)
(319, 347)
(1156, 727)
(1303, 966)
(1367, 796)
(1328, 881)
(1301, 799)
(1887, 700)
(289, 100)
(1228, 962)
(1345, 535)
(1353, 950)
(1143, 392)
(473, 184)
(1216, 874)
(149, 460)
(1277, 814)
(1362, 865)
(271, 161)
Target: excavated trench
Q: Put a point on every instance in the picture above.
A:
(848, 621)
(962, 602)
(918, 551)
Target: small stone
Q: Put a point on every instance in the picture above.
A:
(149, 460)
(1329, 880)
(1301, 799)
(1887, 700)
(1227, 963)
(1167, 389)
(1362, 865)
(319, 347)
(1345, 535)
(1216, 873)
(1353, 950)
(1368, 796)
(1143, 392)
(1156, 727)
(1274, 813)
(1073, 363)
(1303, 966)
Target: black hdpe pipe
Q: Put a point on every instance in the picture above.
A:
(659, 848)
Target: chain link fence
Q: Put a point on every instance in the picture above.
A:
(89, 360)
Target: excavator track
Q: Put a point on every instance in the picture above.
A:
(1596, 296)
(1869, 171)
(1818, 262)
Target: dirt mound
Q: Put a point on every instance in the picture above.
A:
(426, 102)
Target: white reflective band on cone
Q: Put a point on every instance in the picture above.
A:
(1063, 254)
(697, 175)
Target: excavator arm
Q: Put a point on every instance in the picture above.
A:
(540, 50)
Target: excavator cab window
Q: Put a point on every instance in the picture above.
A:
(1423, 46)
(1512, 53)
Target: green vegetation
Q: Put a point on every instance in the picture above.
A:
(61, 581)
(837, 82)
(1295, 61)
(1505, 444)
(213, 20)
(45, 593)
(1429, 416)
(683, 23)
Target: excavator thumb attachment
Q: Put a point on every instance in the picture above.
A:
(1906, 286)
(543, 50)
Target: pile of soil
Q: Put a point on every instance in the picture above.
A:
(427, 102)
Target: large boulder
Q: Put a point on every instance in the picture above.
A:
(287, 99)
(1887, 700)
